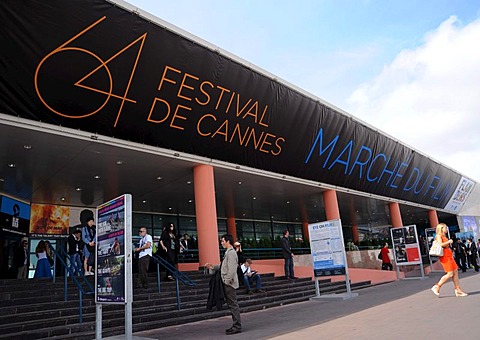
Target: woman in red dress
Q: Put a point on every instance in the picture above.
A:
(447, 261)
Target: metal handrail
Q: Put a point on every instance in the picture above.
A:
(68, 270)
(178, 275)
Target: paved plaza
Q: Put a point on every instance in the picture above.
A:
(404, 309)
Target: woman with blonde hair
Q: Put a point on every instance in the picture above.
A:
(447, 261)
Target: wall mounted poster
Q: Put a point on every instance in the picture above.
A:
(110, 279)
(328, 251)
(405, 245)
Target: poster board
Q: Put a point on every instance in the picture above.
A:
(328, 255)
(406, 248)
(327, 248)
(114, 246)
(405, 245)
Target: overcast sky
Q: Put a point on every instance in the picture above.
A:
(410, 68)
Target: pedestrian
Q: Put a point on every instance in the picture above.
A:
(472, 254)
(251, 277)
(238, 248)
(144, 251)
(89, 238)
(460, 251)
(228, 272)
(75, 246)
(447, 262)
(43, 266)
(386, 263)
(21, 259)
(171, 246)
(288, 256)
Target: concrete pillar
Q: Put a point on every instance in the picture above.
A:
(355, 235)
(305, 230)
(206, 213)
(395, 214)
(433, 218)
(331, 204)
(232, 227)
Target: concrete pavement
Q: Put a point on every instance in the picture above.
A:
(404, 309)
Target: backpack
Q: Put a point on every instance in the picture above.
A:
(380, 255)
(154, 247)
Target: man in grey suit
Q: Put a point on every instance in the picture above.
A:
(228, 272)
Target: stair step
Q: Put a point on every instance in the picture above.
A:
(52, 317)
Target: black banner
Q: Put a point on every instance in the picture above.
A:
(93, 66)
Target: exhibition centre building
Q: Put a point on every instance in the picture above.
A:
(99, 98)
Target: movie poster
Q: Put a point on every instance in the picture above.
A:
(49, 220)
(405, 245)
(110, 278)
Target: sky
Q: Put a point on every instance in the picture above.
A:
(409, 68)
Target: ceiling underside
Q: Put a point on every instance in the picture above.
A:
(56, 166)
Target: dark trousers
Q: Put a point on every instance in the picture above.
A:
(231, 299)
(461, 261)
(472, 261)
(289, 268)
(143, 264)
(387, 266)
(171, 258)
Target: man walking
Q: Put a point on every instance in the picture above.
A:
(228, 272)
(75, 246)
(144, 251)
(287, 255)
(386, 263)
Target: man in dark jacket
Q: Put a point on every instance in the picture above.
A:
(460, 255)
(75, 248)
(21, 259)
(472, 254)
(287, 255)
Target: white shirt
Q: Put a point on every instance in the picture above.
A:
(247, 271)
(147, 238)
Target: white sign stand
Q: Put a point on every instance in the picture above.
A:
(328, 255)
(405, 241)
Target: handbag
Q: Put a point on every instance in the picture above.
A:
(436, 249)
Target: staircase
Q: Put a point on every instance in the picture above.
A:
(35, 309)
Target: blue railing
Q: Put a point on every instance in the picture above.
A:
(251, 253)
(176, 274)
(69, 272)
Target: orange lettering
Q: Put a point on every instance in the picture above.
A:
(176, 115)
(207, 95)
(183, 85)
(164, 76)
(263, 115)
(151, 111)
(200, 121)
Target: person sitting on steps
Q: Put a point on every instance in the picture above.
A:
(251, 277)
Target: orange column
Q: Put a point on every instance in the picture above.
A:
(232, 227)
(331, 204)
(305, 230)
(433, 218)
(395, 214)
(206, 213)
(355, 235)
